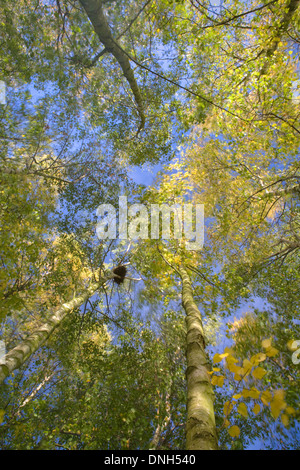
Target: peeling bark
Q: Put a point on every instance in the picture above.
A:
(94, 11)
(201, 431)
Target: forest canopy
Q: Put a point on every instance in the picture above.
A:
(144, 340)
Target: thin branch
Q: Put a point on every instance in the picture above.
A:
(204, 277)
(283, 120)
(166, 261)
(197, 95)
(234, 17)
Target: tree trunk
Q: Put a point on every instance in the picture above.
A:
(161, 427)
(18, 355)
(94, 11)
(200, 427)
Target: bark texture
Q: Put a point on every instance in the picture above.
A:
(18, 355)
(94, 11)
(201, 431)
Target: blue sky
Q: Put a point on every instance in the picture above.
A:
(145, 175)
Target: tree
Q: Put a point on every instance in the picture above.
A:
(223, 84)
(201, 430)
(18, 355)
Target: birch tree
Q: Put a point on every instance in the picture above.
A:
(22, 352)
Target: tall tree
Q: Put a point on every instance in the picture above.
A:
(223, 82)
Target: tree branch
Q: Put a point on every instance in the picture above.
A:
(234, 17)
(94, 11)
(197, 95)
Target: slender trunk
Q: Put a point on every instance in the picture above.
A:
(161, 427)
(18, 355)
(34, 392)
(200, 428)
(94, 11)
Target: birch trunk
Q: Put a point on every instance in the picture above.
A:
(18, 355)
(94, 11)
(161, 427)
(200, 427)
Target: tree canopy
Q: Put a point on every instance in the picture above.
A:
(195, 348)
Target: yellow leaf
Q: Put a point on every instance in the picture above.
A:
(237, 377)
(257, 358)
(290, 410)
(229, 351)
(2, 413)
(275, 409)
(227, 408)
(217, 358)
(234, 431)
(247, 365)
(245, 372)
(259, 373)
(270, 352)
(242, 409)
(225, 354)
(278, 403)
(231, 359)
(256, 409)
(266, 397)
(237, 396)
(254, 393)
(266, 343)
(279, 394)
(245, 393)
(235, 369)
(217, 380)
(285, 419)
